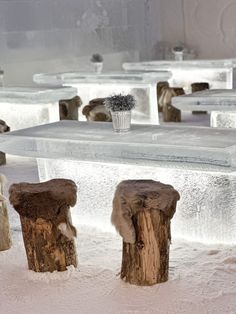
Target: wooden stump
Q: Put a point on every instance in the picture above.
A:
(3, 128)
(5, 237)
(197, 87)
(47, 249)
(170, 113)
(142, 210)
(69, 108)
(48, 234)
(96, 111)
(160, 88)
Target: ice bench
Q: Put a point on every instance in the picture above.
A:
(221, 103)
(198, 162)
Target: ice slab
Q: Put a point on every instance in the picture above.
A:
(105, 77)
(206, 210)
(23, 107)
(38, 95)
(220, 102)
(168, 64)
(96, 141)
(210, 100)
(199, 162)
(223, 119)
(218, 73)
(91, 85)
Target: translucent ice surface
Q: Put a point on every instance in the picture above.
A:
(223, 119)
(199, 162)
(23, 107)
(96, 141)
(92, 85)
(220, 102)
(210, 100)
(206, 211)
(219, 73)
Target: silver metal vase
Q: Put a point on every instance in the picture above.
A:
(121, 121)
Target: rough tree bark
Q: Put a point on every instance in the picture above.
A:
(69, 108)
(142, 210)
(160, 88)
(5, 237)
(48, 234)
(96, 111)
(170, 113)
(3, 128)
(197, 87)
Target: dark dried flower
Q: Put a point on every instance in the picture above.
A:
(120, 102)
(96, 57)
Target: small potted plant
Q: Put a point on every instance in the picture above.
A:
(120, 107)
(97, 62)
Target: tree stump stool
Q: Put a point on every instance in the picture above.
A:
(48, 234)
(5, 237)
(169, 112)
(69, 108)
(3, 128)
(160, 88)
(142, 210)
(197, 87)
(96, 111)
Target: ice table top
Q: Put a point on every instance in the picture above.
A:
(106, 77)
(163, 65)
(144, 143)
(35, 94)
(210, 100)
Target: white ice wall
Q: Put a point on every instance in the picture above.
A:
(59, 35)
(207, 25)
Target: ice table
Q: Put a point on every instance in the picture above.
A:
(218, 73)
(199, 162)
(92, 85)
(23, 107)
(220, 102)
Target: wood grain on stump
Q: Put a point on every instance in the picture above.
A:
(97, 111)
(69, 108)
(142, 210)
(5, 237)
(48, 234)
(160, 88)
(197, 87)
(169, 112)
(3, 128)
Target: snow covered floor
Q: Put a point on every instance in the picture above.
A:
(202, 277)
(202, 281)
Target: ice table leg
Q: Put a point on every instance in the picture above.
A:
(223, 119)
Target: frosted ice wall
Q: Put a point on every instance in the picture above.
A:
(52, 35)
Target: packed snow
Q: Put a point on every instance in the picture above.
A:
(202, 278)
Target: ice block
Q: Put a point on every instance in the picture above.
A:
(218, 73)
(199, 162)
(220, 102)
(93, 85)
(23, 107)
